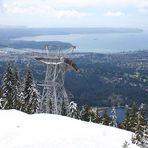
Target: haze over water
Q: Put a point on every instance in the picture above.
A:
(100, 42)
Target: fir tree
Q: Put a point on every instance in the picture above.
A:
(126, 122)
(63, 109)
(138, 137)
(20, 101)
(105, 119)
(145, 136)
(133, 118)
(87, 114)
(8, 89)
(73, 112)
(31, 95)
(2, 103)
(113, 121)
(0, 92)
(17, 88)
(50, 104)
(1, 100)
(98, 119)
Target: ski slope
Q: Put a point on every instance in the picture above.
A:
(20, 130)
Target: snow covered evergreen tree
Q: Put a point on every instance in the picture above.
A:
(133, 117)
(113, 121)
(17, 88)
(87, 114)
(98, 118)
(126, 122)
(31, 95)
(20, 101)
(73, 113)
(2, 103)
(140, 128)
(145, 136)
(8, 89)
(1, 100)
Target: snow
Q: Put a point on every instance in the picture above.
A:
(20, 130)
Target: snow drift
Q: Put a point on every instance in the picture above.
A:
(20, 130)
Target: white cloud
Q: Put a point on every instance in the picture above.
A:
(65, 12)
(114, 13)
(20, 6)
(77, 3)
(83, 3)
(40, 8)
(143, 10)
(72, 13)
(1, 5)
(143, 7)
(73, 3)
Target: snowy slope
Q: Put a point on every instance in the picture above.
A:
(20, 130)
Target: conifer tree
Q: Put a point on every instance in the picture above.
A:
(1, 100)
(2, 103)
(8, 88)
(139, 137)
(17, 88)
(0, 92)
(63, 108)
(31, 95)
(87, 114)
(133, 118)
(145, 136)
(98, 119)
(126, 122)
(105, 119)
(73, 112)
(20, 101)
(50, 104)
(113, 121)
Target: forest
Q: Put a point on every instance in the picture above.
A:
(104, 79)
(24, 96)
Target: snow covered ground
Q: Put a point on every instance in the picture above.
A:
(20, 130)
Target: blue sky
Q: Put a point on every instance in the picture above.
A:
(74, 13)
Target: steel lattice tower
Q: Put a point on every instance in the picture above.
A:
(54, 94)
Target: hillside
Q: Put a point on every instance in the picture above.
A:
(104, 79)
(19, 130)
(110, 79)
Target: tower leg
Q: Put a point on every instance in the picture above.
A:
(54, 92)
(55, 106)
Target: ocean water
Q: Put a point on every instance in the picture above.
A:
(99, 42)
